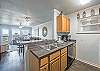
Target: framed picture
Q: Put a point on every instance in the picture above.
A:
(44, 31)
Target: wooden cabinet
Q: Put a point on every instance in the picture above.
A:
(44, 68)
(43, 61)
(27, 60)
(59, 23)
(55, 64)
(33, 62)
(55, 61)
(63, 24)
(54, 55)
(64, 50)
(63, 61)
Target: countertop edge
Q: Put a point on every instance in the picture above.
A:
(42, 56)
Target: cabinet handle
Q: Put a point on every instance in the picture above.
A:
(44, 68)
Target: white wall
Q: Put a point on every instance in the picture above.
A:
(88, 45)
(56, 13)
(73, 25)
(51, 26)
(88, 48)
(49, 29)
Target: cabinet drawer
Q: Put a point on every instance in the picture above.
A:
(64, 54)
(43, 61)
(54, 55)
(63, 50)
(44, 68)
(57, 58)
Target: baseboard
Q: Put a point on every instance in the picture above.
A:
(92, 64)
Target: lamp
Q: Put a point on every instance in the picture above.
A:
(27, 18)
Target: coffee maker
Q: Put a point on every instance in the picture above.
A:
(66, 37)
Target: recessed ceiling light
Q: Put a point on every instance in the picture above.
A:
(83, 2)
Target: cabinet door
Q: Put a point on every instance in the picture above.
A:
(55, 65)
(33, 63)
(44, 68)
(64, 24)
(27, 60)
(59, 23)
(63, 61)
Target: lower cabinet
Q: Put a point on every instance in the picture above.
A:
(33, 62)
(55, 64)
(63, 61)
(27, 61)
(44, 68)
(56, 61)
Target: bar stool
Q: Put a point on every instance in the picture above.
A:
(21, 48)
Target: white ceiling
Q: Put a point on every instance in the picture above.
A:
(40, 10)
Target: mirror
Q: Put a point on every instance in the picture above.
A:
(44, 31)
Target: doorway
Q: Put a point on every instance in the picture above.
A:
(4, 39)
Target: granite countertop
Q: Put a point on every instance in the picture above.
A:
(41, 52)
(31, 41)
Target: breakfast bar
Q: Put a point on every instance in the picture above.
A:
(48, 56)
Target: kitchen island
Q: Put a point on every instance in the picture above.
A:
(43, 56)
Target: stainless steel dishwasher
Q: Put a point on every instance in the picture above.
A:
(71, 54)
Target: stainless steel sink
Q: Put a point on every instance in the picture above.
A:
(48, 47)
(58, 44)
(51, 47)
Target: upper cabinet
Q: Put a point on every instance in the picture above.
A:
(63, 24)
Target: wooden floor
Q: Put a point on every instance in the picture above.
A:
(12, 61)
(80, 66)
